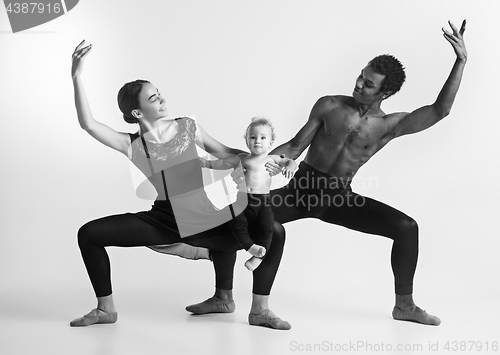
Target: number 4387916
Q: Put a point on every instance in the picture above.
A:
(468, 346)
(33, 7)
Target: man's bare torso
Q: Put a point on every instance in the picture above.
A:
(346, 140)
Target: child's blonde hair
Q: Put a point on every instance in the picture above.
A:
(260, 121)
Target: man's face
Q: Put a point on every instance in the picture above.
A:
(368, 85)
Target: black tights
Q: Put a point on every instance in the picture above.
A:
(348, 209)
(128, 230)
(263, 276)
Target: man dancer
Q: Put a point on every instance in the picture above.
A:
(342, 134)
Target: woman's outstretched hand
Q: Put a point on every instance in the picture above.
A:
(78, 57)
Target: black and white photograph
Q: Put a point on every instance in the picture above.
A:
(249, 177)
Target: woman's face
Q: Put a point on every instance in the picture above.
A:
(152, 104)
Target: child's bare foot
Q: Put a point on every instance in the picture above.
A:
(253, 263)
(257, 250)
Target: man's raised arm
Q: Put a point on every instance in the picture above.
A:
(429, 115)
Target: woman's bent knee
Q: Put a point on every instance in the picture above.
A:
(85, 233)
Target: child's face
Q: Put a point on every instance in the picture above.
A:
(259, 139)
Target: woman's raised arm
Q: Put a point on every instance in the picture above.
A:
(101, 132)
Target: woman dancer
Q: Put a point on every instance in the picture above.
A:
(165, 151)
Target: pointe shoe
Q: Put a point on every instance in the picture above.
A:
(212, 305)
(95, 316)
(264, 320)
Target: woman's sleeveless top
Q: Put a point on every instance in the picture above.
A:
(174, 169)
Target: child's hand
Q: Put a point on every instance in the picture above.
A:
(203, 162)
(257, 250)
(290, 169)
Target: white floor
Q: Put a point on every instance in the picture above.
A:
(158, 324)
(335, 305)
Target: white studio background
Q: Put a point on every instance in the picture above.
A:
(225, 62)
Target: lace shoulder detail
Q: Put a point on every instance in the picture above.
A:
(186, 136)
(190, 126)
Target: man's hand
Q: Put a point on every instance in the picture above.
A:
(456, 39)
(273, 168)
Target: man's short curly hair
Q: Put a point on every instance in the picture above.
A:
(393, 70)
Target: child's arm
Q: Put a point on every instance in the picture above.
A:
(289, 165)
(221, 164)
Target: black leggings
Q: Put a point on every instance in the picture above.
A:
(128, 230)
(255, 224)
(312, 194)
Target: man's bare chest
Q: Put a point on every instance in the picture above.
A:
(352, 131)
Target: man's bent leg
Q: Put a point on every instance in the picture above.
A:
(370, 216)
(290, 204)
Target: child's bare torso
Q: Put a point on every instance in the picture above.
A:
(257, 178)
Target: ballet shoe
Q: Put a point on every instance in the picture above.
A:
(262, 319)
(415, 314)
(212, 305)
(95, 316)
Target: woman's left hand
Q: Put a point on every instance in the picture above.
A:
(78, 57)
(238, 174)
